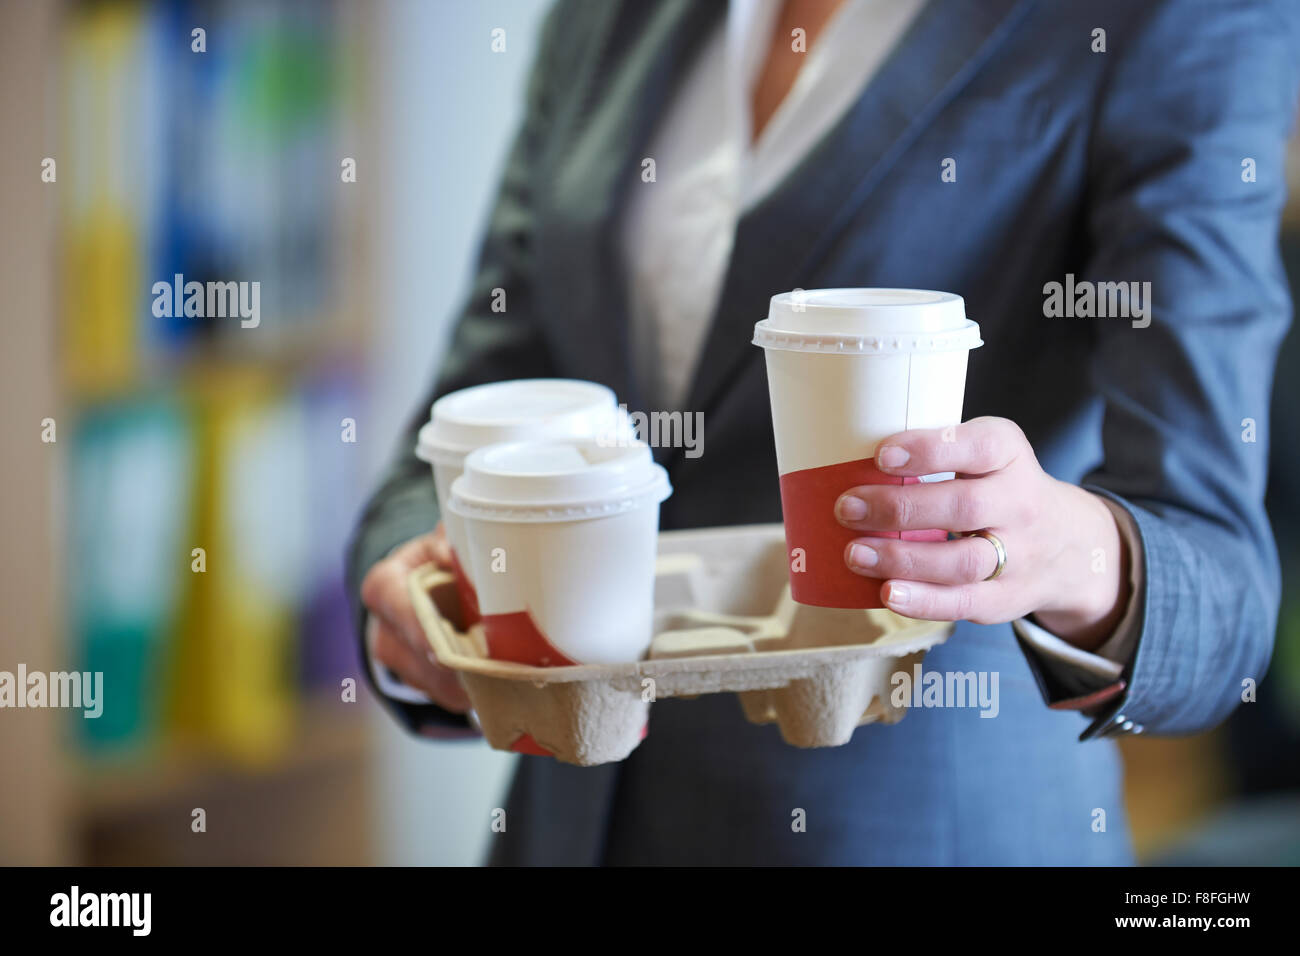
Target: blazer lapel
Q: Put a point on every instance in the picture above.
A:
(601, 140)
(780, 242)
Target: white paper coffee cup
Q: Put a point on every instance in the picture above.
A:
(463, 421)
(847, 368)
(561, 540)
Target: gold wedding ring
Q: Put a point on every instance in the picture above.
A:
(998, 546)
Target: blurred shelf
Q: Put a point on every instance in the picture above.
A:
(331, 734)
(294, 354)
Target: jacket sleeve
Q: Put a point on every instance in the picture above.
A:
(1186, 186)
(486, 346)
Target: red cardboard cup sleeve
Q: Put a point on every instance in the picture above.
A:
(516, 637)
(816, 541)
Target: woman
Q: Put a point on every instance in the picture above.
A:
(680, 163)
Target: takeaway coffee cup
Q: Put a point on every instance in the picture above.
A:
(561, 540)
(499, 412)
(847, 368)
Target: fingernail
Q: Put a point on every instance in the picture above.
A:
(850, 508)
(860, 556)
(891, 456)
(898, 595)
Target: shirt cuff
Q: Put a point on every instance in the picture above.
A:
(1072, 679)
(1122, 645)
(386, 681)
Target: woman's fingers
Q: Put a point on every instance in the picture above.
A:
(384, 592)
(394, 653)
(980, 446)
(963, 504)
(440, 548)
(397, 639)
(432, 547)
(931, 602)
(416, 670)
(987, 603)
(960, 561)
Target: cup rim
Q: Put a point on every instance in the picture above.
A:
(768, 336)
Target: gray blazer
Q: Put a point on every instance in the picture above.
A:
(1122, 165)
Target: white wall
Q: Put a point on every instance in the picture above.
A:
(451, 108)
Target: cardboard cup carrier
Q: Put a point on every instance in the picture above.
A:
(847, 368)
(472, 418)
(724, 622)
(566, 616)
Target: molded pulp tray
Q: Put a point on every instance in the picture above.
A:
(725, 623)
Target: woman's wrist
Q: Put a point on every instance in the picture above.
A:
(1093, 588)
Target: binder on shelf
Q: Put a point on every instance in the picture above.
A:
(106, 174)
(237, 681)
(132, 467)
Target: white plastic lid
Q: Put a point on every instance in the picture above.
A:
(535, 408)
(557, 481)
(867, 321)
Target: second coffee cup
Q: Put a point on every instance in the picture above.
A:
(561, 538)
(462, 421)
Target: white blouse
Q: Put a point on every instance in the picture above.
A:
(677, 231)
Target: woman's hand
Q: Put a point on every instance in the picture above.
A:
(396, 638)
(1066, 562)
